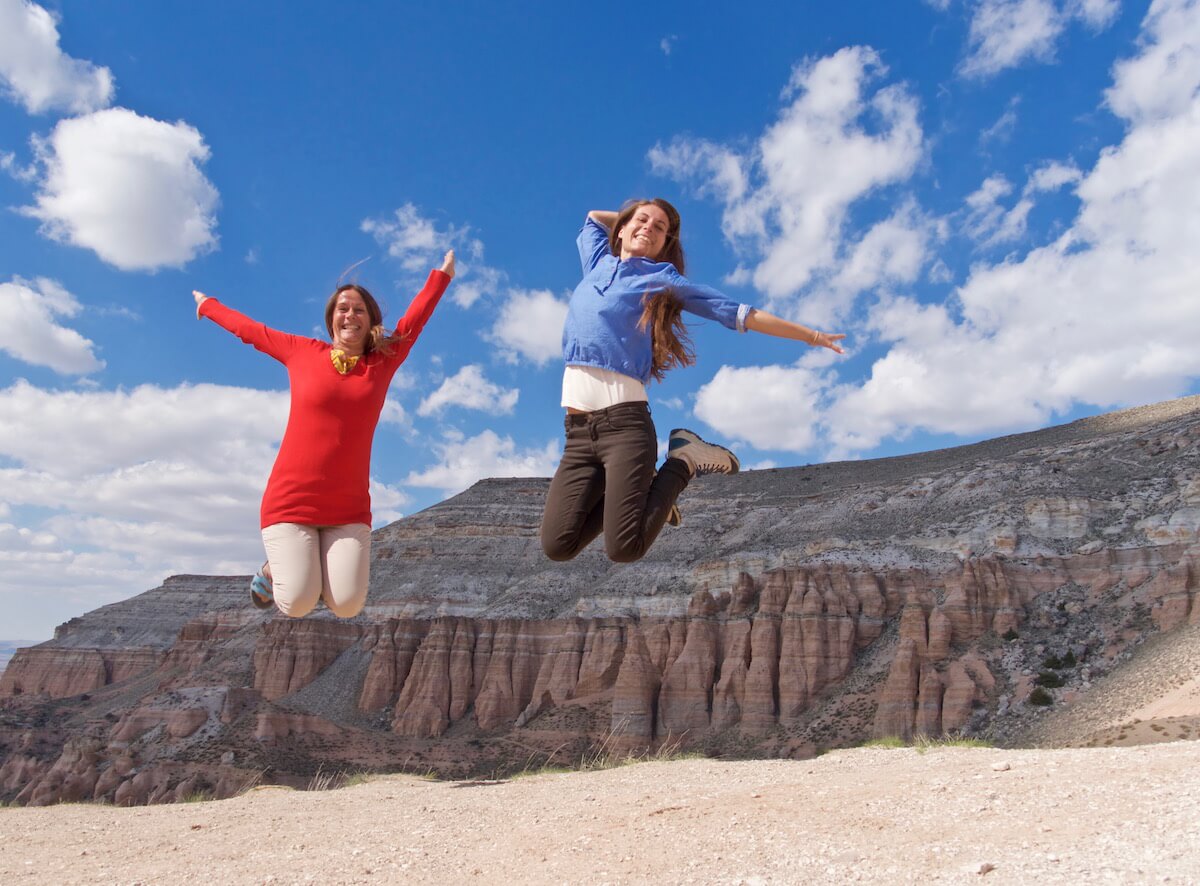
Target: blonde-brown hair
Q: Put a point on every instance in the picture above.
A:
(379, 338)
(670, 344)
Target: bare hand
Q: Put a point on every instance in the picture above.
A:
(828, 340)
(448, 264)
(200, 299)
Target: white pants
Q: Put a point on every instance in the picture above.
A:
(311, 562)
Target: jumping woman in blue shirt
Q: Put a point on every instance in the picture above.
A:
(623, 328)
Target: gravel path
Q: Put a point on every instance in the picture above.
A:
(948, 815)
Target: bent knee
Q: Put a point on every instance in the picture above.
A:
(559, 548)
(348, 609)
(558, 553)
(625, 553)
(294, 609)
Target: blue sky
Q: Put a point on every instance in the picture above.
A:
(997, 200)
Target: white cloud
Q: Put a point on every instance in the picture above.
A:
(466, 461)
(417, 243)
(469, 389)
(36, 73)
(1161, 82)
(1005, 33)
(769, 407)
(1008, 33)
(128, 187)
(393, 411)
(1052, 176)
(988, 221)
(29, 329)
(139, 484)
(10, 165)
(530, 326)
(667, 44)
(1002, 129)
(1104, 316)
(385, 503)
(787, 200)
(1097, 14)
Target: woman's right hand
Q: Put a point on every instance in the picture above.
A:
(447, 267)
(200, 299)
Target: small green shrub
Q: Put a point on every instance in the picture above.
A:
(1011, 634)
(1053, 662)
(1049, 679)
(1040, 697)
(1068, 660)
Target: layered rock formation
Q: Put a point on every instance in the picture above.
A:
(795, 609)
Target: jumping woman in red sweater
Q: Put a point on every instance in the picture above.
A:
(316, 510)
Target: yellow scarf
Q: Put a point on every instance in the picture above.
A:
(341, 361)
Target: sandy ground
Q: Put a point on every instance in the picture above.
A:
(948, 815)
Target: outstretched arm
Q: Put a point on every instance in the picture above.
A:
(270, 341)
(421, 308)
(769, 324)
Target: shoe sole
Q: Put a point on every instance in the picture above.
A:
(693, 436)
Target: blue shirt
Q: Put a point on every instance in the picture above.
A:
(601, 328)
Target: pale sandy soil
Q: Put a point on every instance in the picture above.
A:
(949, 815)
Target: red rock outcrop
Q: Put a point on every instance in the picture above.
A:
(292, 652)
(61, 672)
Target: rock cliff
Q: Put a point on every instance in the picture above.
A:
(796, 609)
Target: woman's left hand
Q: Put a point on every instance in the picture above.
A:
(828, 340)
(448, 264)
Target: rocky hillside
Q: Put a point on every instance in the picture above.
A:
(974, 590)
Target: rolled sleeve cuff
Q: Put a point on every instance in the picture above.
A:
(742, 313)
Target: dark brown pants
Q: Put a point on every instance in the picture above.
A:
(606, 482)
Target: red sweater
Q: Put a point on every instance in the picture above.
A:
(321, 475)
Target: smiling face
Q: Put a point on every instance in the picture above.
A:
(350, 323)
(645, 234)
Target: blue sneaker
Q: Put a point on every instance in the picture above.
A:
(701, 457)
(261, 593)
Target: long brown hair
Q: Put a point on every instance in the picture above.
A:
(379, 338)
(670, 344)
(672, 250)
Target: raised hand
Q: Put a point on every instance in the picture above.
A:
(448, 264)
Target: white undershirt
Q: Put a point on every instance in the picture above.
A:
(589, 388)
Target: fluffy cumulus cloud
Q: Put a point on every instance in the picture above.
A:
(988, 221)
(1104, 316)
(127, 187)
(529, 326)
(1007, 33)
(463, 461)
(105, 493)
(30, 330)
(116, 489)
(469, 389)
(36, 73)
(417, 243)
(769, 407)
(787, 200)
